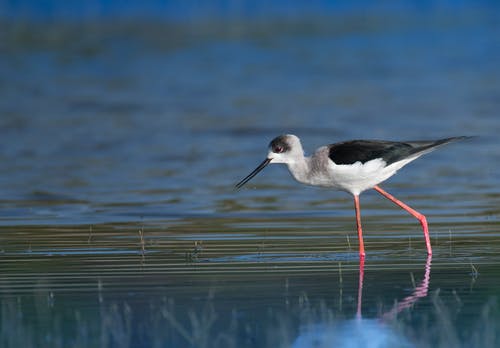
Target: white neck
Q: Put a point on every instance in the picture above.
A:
(300, 169)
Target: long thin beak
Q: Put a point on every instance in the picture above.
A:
(254, 173)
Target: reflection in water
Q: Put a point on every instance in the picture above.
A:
(419, 292)
(122, 311)
(360, 286)
(364, 332)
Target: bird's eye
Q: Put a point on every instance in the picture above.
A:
(278, 149)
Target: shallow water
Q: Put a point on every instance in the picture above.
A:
(121, 144)
(218, 279)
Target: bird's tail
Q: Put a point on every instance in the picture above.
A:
(423, 147)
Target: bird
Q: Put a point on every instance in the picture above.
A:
(352, 166)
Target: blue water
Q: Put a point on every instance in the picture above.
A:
(121, 142)
(180, 11)
(168, 130)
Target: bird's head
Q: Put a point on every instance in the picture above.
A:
(282, 149)
(285, 149)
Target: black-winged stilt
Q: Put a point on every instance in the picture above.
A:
(353, 166)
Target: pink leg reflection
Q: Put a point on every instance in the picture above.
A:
(360, 286)
(420, 291)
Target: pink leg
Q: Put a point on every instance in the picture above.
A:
(358, 224)
(420, 217)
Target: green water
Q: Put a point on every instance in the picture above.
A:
(245, 282)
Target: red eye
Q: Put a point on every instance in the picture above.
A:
(278, 149)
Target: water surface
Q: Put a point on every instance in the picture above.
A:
(121, 144)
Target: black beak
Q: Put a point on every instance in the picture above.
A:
(254, 173)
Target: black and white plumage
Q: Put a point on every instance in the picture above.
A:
(352, 166)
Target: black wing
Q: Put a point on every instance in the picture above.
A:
(353, 151)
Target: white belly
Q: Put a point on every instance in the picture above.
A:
(358, 177)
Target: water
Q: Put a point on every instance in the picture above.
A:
(121, 144)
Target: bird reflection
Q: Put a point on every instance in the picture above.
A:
(366, 333)
(420, 291)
